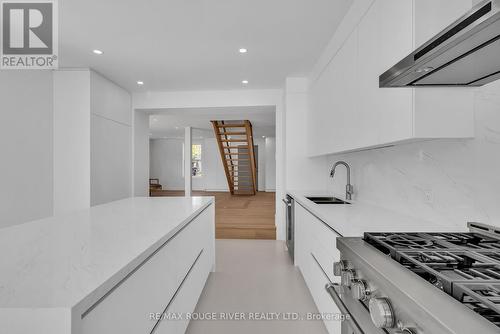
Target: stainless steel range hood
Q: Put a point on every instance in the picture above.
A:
(465, 54)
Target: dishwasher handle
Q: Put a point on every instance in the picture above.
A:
(331, 289)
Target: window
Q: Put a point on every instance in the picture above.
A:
(196, 165)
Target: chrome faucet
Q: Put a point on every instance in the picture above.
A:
(349, 190)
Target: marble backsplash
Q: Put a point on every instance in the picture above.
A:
(447, 181)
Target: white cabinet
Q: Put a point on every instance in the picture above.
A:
(334, 102)
(315, 252)
(171, 279)
(384, 38)
(347, 109)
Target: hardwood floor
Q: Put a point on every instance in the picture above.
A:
(239, 217)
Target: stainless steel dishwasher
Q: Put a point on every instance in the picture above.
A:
(290, 228)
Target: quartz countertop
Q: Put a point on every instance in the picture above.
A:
(51, 267)
(356, 218)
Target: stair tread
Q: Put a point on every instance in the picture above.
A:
(225, 133)
(228, 125)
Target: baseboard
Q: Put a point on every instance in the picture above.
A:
(270, 190)
(217, 190)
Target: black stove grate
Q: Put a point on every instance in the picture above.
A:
(464, 265)
(482, 298)
(468, 240)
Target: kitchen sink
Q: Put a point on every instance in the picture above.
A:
(327, 200)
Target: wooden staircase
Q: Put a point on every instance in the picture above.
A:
(235, 141)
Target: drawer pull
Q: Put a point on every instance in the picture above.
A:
(320, 267)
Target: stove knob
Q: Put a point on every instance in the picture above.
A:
(338, 267)
(381, 313)
(347, 277)
(360, 290)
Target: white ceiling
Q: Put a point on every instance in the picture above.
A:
(170, 123)
(193, 44)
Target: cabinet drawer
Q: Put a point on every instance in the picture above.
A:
(325, 247)
(323, 243)
(148, 289)
(326, 307)
(186, 298)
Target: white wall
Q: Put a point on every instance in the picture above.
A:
(26, 125)
(216, 178)
(111, 141)
(261, 166)
(453, 181)
(206, 99)
(166, 164)
(270, 177)
(55, 125)
(71, 140)
(141, 154)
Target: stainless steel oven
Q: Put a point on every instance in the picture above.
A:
(419, 283)
(290, 228)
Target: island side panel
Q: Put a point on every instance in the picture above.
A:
(130, 306)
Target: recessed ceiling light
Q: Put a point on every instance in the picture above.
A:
(140, 83)
(243, 50)
(245, 82)
(263, 136)
(98, 52)
(177, 128)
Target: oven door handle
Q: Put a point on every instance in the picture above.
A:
(331, 289)
(287, 202)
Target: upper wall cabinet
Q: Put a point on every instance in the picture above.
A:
(347, 109)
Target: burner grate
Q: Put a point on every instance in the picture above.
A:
(448, 259)
(408, 241)
(494, 257)
(444, 268)
(482, 298)
(468, 240)
(391, 243)
(464, 265)
(492, 273)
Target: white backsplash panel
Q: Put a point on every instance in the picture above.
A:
(446, 181)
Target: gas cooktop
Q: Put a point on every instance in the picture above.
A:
(464, 265)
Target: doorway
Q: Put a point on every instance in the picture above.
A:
(237, 217)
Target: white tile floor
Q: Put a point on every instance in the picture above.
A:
(255, 276)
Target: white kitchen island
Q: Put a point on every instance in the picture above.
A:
(110, 269)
